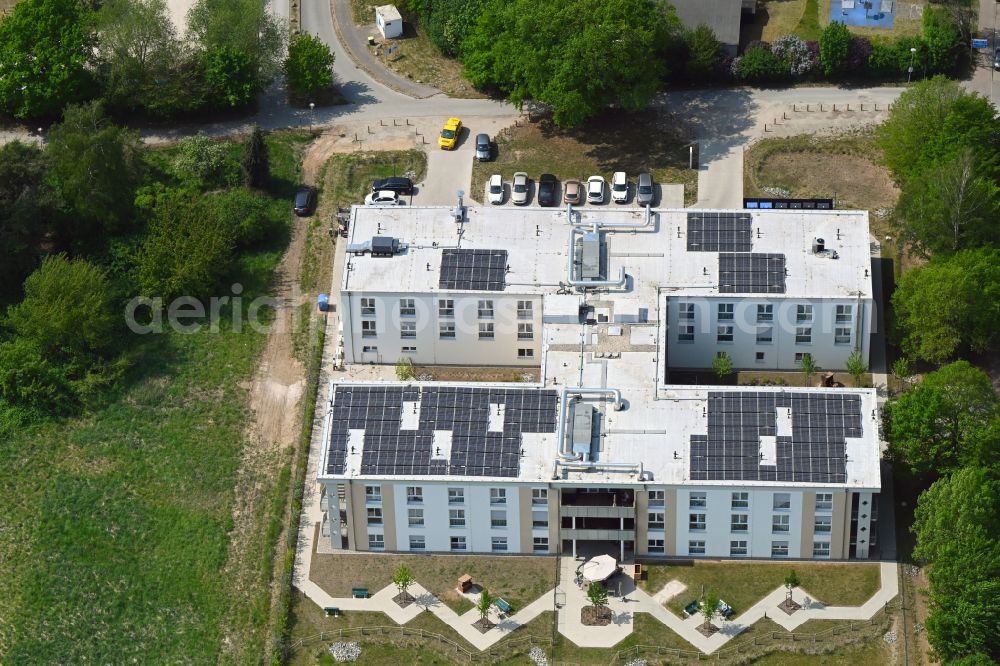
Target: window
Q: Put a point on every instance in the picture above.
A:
(524, 310)
(654, 546)
(458, 543)
(803, 313)
(741, 500)
(373, 493)
(374, 515)
(782, 501)
(498, 544)
(758, 356)
(407, 307)
(456, 517)
(368, 329)
(824, 501)
(842, 335)
(526, 353)
(376, 542)
(540, 545)
(740, 522)
(418, 542)
(780, 522)
(525, 331)
(446, 331)
(409, 350)
(369, 349)
(414, 494)
(485, 331)
(367, 307)
(539, 519)
(821, 549)
(803, 335)
(845, 314)
(798, 356)
(446, 307)
(540, 496)
(765, 335)
(779, 549)
(765, 312)
(685, 310)
(724, 334)
(823, 525)
(696, 521)
(696, 547)
(498, 518)
(408, 329)
(697, 500)
(685, 333)
(416, 517)
(456, 496)
(737, 548)
(656, 497)
(485, 309)
(656, 521)
(725, 311)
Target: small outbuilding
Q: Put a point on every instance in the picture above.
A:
(388, 21)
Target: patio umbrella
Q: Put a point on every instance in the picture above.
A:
(599, 568)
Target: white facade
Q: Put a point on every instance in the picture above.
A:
(388, 21)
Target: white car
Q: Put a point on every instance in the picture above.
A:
(383, 198)
(595, 189)
(619, 187)
(494, 190)
(519, 189)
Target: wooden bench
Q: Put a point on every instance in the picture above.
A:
(503, 606)
(332, 611)
(360, 592)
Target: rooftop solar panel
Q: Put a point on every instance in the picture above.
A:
(474, 270)
(719, 232)
(753, 273)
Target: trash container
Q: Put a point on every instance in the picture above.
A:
(323, 301)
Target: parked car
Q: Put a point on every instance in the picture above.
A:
(619, 187)
(383, 198)
(305, 201)
(519, 189)
(595, 189)
(547, 190)
(448, 138)
(397, 184)
(644, 190)
(572, 192)
(495, 189)
(484, 151)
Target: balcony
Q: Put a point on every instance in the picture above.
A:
(597, 511)
(597, 535)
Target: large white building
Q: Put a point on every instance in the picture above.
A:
(602, 453)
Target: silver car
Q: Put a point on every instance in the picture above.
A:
(644, 190)
(519, 189)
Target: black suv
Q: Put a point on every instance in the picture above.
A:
(396, 184)
(547, 190)
(305, 201)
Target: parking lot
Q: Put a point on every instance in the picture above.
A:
(664, 196)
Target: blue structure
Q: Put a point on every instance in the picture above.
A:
(881, 15)
(323, 301)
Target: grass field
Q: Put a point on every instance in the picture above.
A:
(742, 584)
(615, 141)
(116, 524)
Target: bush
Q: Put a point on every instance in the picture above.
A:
(858, 53)
(795, 52)
(834, 46)
(231, 76)
(760, 65)
(309, 65)
(703, 54)
(250, 217)
(942, 41)
(200, 160)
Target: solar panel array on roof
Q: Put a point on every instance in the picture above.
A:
(814, 453)
(475, 270)
(754, 273)
(719, 232)
(464, 411)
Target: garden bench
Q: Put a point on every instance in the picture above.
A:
(503, 606)
(332, 611)
(360, 592)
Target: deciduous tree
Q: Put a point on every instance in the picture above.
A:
(598, 595)
(704, 51)
(834, 47)
(856, 366)
(244, 31)
(309, 66)
(722, 365)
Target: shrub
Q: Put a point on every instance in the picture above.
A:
(796, 54)
(834, 45)
(760, 65)
(703, 53)
(200, 160)
(231, 76)
(942, 41)
(857, 55)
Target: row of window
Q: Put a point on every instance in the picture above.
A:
(765, 334)
(765, 312)
(498, 496)
(446, 330)
(498, 544)
(740, 522)
(522, 353)
(446, 308)
(741, 500)
(739, 547)
(456, 518)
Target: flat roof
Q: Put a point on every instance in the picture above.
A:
(664, 256)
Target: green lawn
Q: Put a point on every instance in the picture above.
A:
(742, 584)
(116, 523)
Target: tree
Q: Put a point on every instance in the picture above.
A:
(704, 51)
(577, 56)
(403, 580)
(949, 305)
(243, 34)
(722, 365)
(834, 45)
(857, 367)
(598, 596)
(791, 582)
(200, 160)
(809, 367)
(231, 76)
(95, 166)
(709, 606)
(934, 121)
(256, 167)
(309, 66)
(948, 207)
(404, 370)
(29, 379)
(761, 65)
(484, 604)
(937, 426)
(45, 53)
(943, 41)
